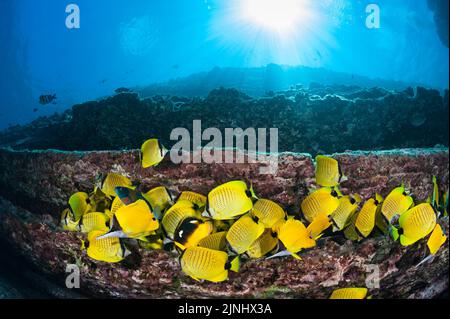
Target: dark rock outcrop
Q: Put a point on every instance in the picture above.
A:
(315, 120)
(440, 10)
(35, 186)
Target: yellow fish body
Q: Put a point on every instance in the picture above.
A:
(365, 222)
(136, 220)
(109, 250)
(322, 201)
(349, 293)
(116, 205)
(175, 215)
(215, 241)
(152, 153)
(79, 204)
(415, 224)
(318, 226)
(196, 198)
(243, 233)
(159, 198)
(295, 237)
(265, 244)
(350, 231)
(113, 180)
(268, 212)
(207, 264)
(93, 221)
(396, 203)
(229, 200)
(191, 231)
(343, 214)
(67, 221)
(328, 172)
(436, 240)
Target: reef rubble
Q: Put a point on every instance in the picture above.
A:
(35, 186)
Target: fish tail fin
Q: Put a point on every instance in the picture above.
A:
(394, 232)
(358, 198)
(379, 198)
(252, 192)
(338, 191)
(343, 178)
(235, 264)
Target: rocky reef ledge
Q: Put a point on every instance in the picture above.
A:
(318, 119)
(35, 185)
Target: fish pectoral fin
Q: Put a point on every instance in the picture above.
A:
(196, 279)
(143, 238)
(282, 253)
(317, 237)
(296, 256)
(118, 234)
(181, 246)
(425, 260)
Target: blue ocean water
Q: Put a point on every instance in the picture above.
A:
(123, 43)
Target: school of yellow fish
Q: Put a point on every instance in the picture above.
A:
(215, 232)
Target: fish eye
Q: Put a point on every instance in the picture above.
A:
(404, 194)
(154, 219)
(352, 201)
(334, 193)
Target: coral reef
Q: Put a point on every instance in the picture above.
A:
(35, 185)
(319, 119)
